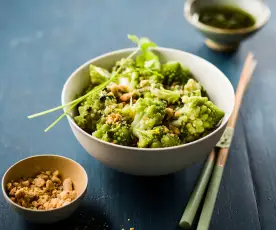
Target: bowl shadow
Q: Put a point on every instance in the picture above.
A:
(88, 216)
(160, 198)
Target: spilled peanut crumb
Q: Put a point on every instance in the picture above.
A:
(46, 191)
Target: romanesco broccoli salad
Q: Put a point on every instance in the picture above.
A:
(148, 105)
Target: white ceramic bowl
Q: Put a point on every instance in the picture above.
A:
(29, 167)
(227, 39)
(157, 161)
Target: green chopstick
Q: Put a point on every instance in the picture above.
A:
(196, 197)
(211, 196)
(210, 200)
(225, 142)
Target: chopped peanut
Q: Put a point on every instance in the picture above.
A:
(12, 192)
(25, 183)
(55, 179)
(56, 173)
(177, 114)
(39, 182)
(49, 185)
(112, 118)
(169, 112)
(123, 88)
(113, 87)
(9, 186)
(127, 96)
(67, 184)
(43, 176)
(44, 192)
(175, 130)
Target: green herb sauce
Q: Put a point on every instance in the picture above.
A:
(226, 17)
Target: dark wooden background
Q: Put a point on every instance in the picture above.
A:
(42, 42)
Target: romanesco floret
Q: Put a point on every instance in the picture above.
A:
(152, 76)
(196, 116)
(98, 75)
(164, 94)
(146, 104)
(90, 111)
(158, 137)
(152, 137)
(147, 137)
(174, 73)
(128, 112)
(118, 132)
(169, 140)
(148, 113)
(192, 88)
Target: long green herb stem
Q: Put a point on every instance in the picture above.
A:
(75, 102)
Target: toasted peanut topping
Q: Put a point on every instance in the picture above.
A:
(175, 129)
(127, 96)
(112, 118)
(123, 88)
(44, 192)
(177, 114)
(169, 112)
(67, 185)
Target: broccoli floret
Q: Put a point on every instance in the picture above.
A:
(118, 132)
(174, 73)
(164, 94)
(197, 116)
(148, 113)
(98, 75)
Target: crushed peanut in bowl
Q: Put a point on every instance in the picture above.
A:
(46, 191)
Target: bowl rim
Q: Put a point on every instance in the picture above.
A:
(202, 26)
(42, 211)
(72, 122)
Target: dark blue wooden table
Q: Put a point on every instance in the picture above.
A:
(42, 42)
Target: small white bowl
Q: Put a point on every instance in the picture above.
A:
(158, 161)
(227, 39)
(29, 167)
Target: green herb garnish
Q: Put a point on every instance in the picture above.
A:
(143, 44)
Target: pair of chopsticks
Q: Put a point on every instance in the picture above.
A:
(216, 163)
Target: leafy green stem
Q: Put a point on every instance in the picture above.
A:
(143, 44)
(75, 102)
